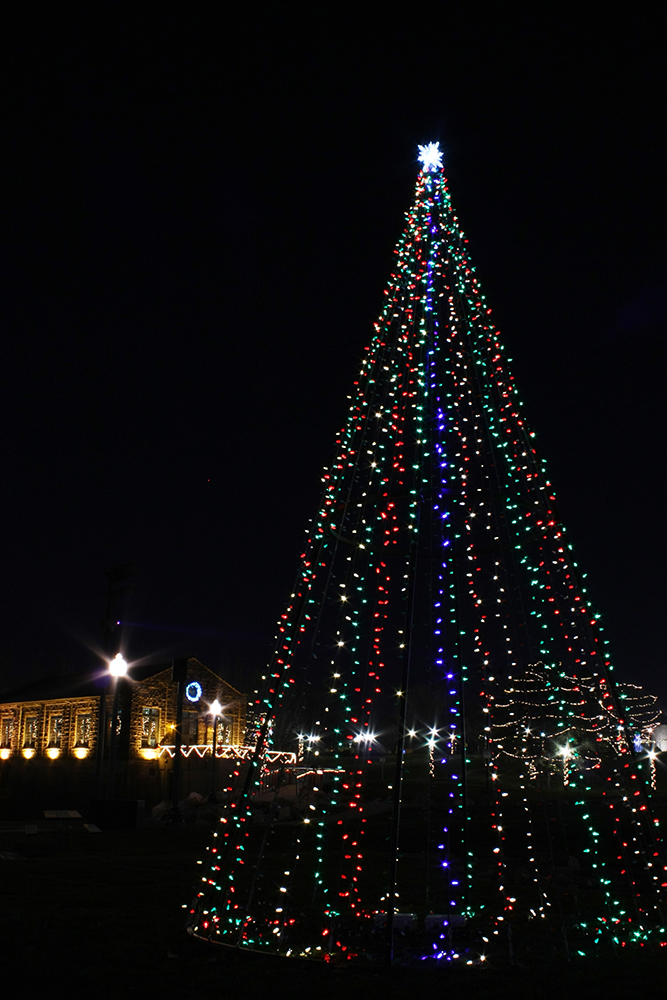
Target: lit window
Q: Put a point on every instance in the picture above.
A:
(6, 731)
(83, 730)
(55, 730)
(30, 730)
(150, 718)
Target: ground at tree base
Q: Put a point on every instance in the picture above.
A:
(103, 914)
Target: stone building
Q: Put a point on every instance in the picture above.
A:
(49, 732)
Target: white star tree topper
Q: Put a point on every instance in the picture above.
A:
(430, 156)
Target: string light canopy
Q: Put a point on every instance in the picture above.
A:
(414, 825)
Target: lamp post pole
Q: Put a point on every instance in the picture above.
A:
(117, 669)
(216, 712)
(179, 673)
(118, 587)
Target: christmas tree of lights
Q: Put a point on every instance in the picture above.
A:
(391, 822)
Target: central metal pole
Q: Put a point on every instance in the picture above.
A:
(400, 752)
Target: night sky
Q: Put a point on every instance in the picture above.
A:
(198, 228)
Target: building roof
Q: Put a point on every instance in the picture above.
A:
(53, 687)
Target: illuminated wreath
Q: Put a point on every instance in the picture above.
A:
(193, 691)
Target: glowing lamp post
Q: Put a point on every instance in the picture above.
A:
(118, 666)
(117, 669)
(216, 712)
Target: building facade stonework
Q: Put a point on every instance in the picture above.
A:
(49, 731)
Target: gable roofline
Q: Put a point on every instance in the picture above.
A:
(91, 684)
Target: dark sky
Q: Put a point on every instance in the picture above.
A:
(200, 222)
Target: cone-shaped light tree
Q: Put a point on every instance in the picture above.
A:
(436, 569)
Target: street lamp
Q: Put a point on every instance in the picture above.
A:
(118, 666)
(216, 712)
(117, 669)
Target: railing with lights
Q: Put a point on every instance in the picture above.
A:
(227, 752)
